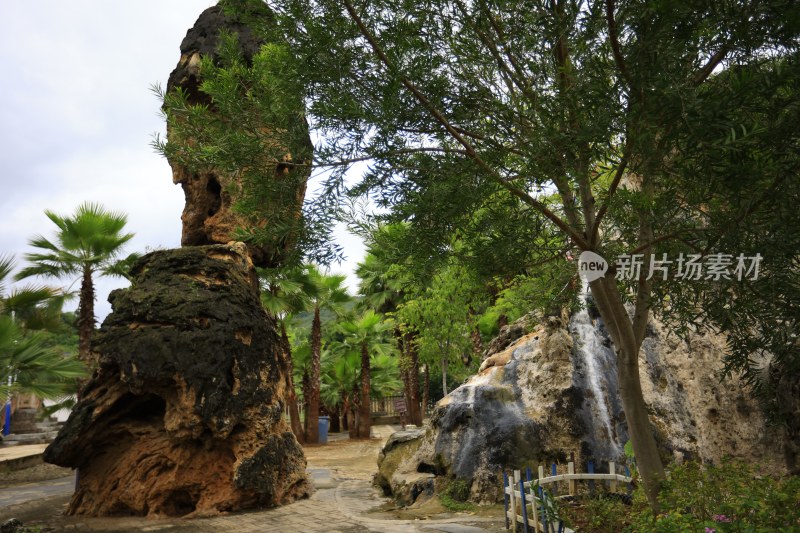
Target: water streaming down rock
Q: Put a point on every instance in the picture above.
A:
(550, 391)
(596, 374)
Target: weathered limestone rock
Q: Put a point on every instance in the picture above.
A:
(209, 216)
(696, 415)
(183, 415)
(520, 411)
(552, 393)
(405, 485)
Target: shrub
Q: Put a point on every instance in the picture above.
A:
(730, 497)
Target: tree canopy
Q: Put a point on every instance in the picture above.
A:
(580, 115)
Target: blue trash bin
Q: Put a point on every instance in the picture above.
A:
(323, 425)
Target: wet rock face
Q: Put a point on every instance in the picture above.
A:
(183, 415)
(209, 216)
(552, 394)
(518, 411)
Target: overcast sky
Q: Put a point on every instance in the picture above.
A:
(77, 117)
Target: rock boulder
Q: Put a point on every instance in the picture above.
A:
(184, 414)
(552, 394)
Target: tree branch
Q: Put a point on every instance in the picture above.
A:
(470, 150)
(613, 38)
(612, 189)
(710, 65)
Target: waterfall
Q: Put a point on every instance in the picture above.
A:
(599, 361)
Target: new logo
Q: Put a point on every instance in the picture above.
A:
(591, 266)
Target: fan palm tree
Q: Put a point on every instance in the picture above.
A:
(286, 292)
(86, 243)
(342, 371)
(340, 364)
(384, 285)
(27, 364)
(366, 334)
(328, 294)
(35, 307)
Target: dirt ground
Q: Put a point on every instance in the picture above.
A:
(352, 459)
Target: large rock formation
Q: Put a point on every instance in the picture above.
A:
(184, 414)
(552, 393)
(210, 214)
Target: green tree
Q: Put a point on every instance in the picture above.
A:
(384, 282)
(285, 292)
(86, 243)
(440, 316)
(341, 377)
(367, 334)
(29, 363)
(328, 293)
(456, 102)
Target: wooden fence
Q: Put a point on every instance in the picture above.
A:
(531, 502)
(388, 406)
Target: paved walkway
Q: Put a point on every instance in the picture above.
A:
(339, 505)
(8, 453)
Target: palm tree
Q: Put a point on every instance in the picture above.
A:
(28, 364)
(342, 375)
(383, 285)
(287, 292)
(367, 334)
(328, 294)
(35, 307)
(86, 243)
(340, 365)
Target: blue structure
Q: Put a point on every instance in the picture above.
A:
(7, 424)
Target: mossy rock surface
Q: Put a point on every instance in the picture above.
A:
(183, 414)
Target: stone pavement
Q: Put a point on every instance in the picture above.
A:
(338, 506)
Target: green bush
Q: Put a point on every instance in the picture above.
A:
(731, 497)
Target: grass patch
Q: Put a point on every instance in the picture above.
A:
(455, 495)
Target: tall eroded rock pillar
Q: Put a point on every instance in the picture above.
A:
(210, 214)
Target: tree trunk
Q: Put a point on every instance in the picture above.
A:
(414, 409)
(502, 321)
(609, 303)
(364, 415)
(345, 411)
(335, 423)
(86, 316)
(355, 405)
(291, 395)
(306, 385)
(426, 391)
(404, 365)
(312, 416)
(444, 377)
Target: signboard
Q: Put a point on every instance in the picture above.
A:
(400, 405)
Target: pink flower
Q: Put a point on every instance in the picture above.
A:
(721, 518)
(710, 530)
